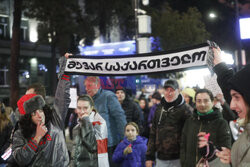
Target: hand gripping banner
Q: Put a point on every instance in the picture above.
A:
(137, 64)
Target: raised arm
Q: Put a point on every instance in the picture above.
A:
(62, 95)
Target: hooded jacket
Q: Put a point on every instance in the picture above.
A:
(212, 123)
(51, 150)
(134, 159)
(165, 134)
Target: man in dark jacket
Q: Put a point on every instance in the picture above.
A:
(165, 134)
(205, 119)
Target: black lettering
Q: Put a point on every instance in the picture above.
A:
(152, 64)
(85, 64)
(98, 66)
(78, 65)
(142, 64)
(71, 64)
(108, 67)
(165, 62)
(187, 60)
(178, 61)
(135, 66)
(197, 56)
(117, 67)
(92, 66)
(126, 66)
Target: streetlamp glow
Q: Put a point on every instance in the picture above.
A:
(212, 15)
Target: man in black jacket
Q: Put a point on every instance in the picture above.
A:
(168, 121)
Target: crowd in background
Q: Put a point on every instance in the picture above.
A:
(173, 126)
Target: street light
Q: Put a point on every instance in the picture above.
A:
(212, 15)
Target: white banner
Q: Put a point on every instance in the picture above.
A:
(138, 64)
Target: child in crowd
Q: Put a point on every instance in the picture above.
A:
(131, 151)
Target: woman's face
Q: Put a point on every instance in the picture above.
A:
(238, 104)
(142, 104)
(38, 117)
(130, 132)
(83, 108)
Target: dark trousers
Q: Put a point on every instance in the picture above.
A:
(110, 154)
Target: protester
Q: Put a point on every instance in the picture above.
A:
(145, 109)
(165, 134)
(131, 108)
(90, 135)
(206, 118)
(156, 99)
(39, 141)
(5, 133)
(131, 151)
(111, 111)
(188, 94)
(238, 87)
(35, 88)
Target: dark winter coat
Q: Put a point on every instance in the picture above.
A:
(51, 150)
(5, 140)
(212, 123)
(165, 134)
(132, 111)
(134, 159)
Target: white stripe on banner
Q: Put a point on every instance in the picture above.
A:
(138, 64)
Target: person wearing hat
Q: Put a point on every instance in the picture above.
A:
(40, 141)
(236, 89)
(167, 124)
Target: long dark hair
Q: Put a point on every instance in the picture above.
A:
(28, 128)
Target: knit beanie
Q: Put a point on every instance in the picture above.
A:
(190, 92)
(240, 82)
(30, 103)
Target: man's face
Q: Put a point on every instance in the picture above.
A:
(120, 95)
(170, 94)
(30, 91)
(238, 104)
(91, 87)
(83, 108)
(203, 102)
(38, 117)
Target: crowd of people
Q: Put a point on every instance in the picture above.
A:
(174, 128)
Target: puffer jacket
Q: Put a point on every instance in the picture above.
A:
(165, 134)
(240, 154)
(111, 111)
(134, 159)
(51, 150)
(212, 123)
